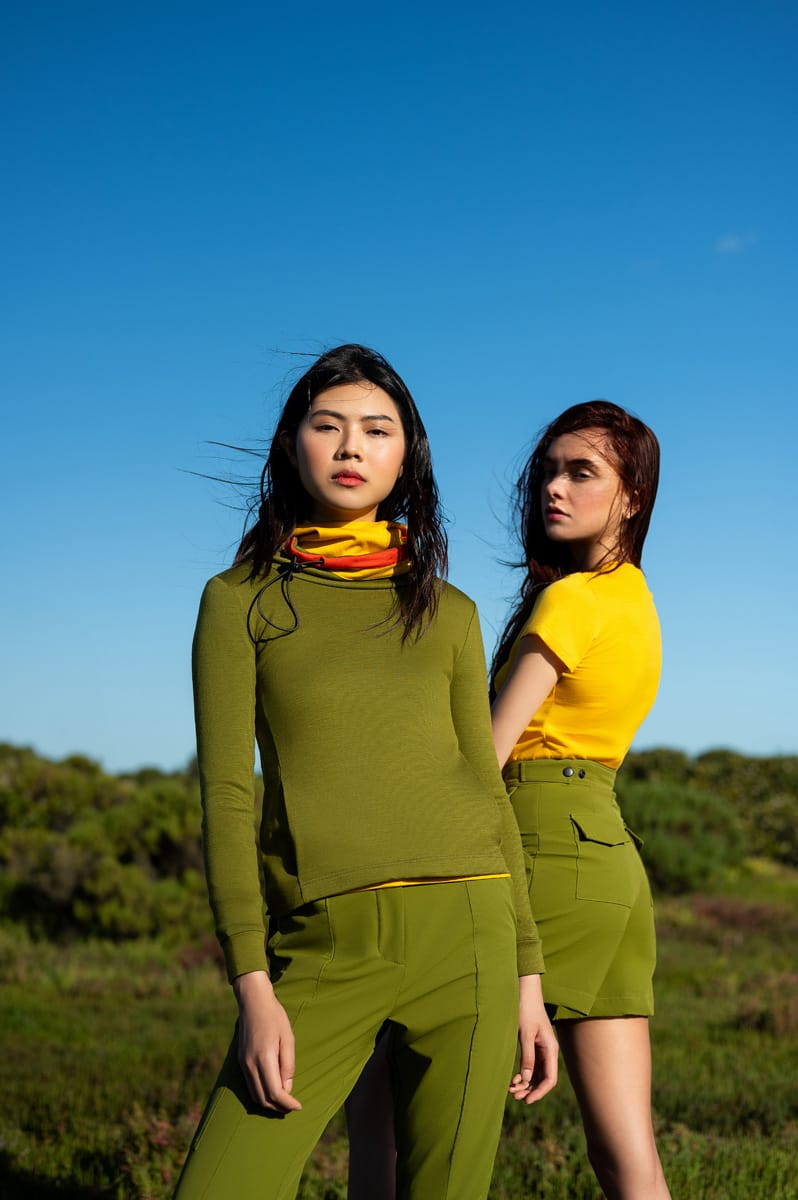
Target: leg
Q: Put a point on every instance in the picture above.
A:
(609, 1064)
(456, 1033)
(337, 989)
(369, 1119)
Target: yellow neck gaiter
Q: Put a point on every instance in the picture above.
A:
(359, 550)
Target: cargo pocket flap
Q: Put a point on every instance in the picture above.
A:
(636, 838)
(600, 827)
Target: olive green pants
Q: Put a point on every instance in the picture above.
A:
(588, 889)
(439, 962)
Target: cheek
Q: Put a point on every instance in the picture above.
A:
(309, 449)
(309, 461)
(392, 457)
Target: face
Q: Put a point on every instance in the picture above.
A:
(349, 451)
(583, 500)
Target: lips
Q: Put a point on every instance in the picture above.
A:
(348, 477)
(555, 512)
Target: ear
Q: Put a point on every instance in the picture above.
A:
(287, 446)
(631, 506)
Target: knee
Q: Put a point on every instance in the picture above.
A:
(631, 1171)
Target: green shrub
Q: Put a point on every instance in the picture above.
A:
(85, 853)
(762, 791)
(658, 765)
(690, 837)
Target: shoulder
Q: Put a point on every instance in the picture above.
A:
(236, 580)
(576, 584)
(230, 593)
(453, 599)
(572, 593)
(456, 610)
(627, 584)
(566, 616)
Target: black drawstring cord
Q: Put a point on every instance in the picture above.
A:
(285, 573)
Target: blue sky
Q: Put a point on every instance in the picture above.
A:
(522, 207)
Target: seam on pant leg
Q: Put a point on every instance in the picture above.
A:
(320, 974)
(221, 1157)
(469, 1059)
(449, 1161)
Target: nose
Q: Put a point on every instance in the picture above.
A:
(552, 487)
(351, 445)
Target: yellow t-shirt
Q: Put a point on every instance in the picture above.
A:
(604, 628)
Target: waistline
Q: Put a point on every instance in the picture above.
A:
(572, 772)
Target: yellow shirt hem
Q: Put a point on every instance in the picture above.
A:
(375, 887)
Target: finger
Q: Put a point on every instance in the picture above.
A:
(252, 1079)
(528, 1059)
(546, 1076)
(277, 1094)
(287, 1061)
(265, 1086)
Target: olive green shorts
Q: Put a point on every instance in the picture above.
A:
(588, 888)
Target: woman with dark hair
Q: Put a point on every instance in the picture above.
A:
(383, 884)
(575, 673)
(573, 677)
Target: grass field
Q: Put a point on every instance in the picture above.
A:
(107, 1053)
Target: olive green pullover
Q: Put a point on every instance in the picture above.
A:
(377, 757)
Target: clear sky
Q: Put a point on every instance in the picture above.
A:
(521, 205)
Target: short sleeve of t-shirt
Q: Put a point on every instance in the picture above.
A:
(566, 619)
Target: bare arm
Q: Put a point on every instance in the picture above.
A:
(265, 1043)
(528, 683)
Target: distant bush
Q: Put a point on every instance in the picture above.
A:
(88, 853)
(691, 837)
(659, 765)
(762, 792)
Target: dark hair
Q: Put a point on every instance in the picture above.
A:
(634, 453)
(283, 503)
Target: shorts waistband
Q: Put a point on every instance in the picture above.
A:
(572, 772)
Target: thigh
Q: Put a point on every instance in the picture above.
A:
(455, 1039)
(609, 1065)
(335, 989)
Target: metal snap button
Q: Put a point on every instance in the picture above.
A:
(581, 773)
(567, 772)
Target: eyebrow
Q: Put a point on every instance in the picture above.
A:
(329, 412)
(572, 462)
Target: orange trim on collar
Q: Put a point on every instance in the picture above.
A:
(350, 562)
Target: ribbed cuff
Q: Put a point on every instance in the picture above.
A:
(530, 958)
(245, 952)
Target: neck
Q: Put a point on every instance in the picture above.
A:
(591, 557)
(330, 521)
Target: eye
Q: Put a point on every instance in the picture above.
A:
(378, 431)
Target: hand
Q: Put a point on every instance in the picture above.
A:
(539, 1048)
(265, 1043)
